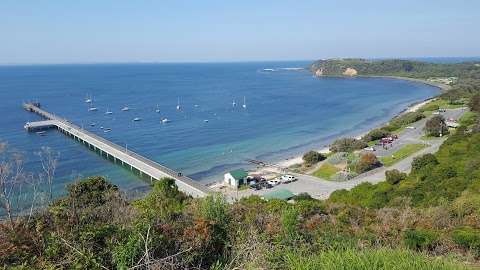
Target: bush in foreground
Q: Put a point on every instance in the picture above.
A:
(367, 259)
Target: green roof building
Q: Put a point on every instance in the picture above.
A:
(279, 194)
(235, 178)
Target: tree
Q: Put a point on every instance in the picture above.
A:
(312, 157)
(474, 103)
(347, 145)
(367, 162)
(49, 161)
(422, 161)
(375, 134)
(394, 176)
(436, 126)
(11, 177)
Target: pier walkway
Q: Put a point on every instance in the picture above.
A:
(109, 149)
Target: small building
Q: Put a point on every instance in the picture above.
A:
(235, 178)
(279, 194)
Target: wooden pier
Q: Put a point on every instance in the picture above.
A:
(145, 166)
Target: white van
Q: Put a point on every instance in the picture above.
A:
(287, 178)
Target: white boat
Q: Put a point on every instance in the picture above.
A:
(101, 127)
(126, 108)
(157, 110)
(41, 133)
(108, 112)
(92, 124)
(178, 105)
(107, 130)
(88, 99)
(234, 103)
(165, 120)
(92, 109)
(206, 120)
(244, 103)
(137, 119)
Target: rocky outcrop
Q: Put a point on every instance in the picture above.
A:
(350, 72)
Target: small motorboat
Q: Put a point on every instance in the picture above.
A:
(101, 127)
(107, 130)
(41, 133)
(165, 120)
(137, 119)
(206, 120)
(92, 109)
(126, 108)
(92, 124)
(157, 110)
(108, 112)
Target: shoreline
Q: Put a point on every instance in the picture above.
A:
(415, 106)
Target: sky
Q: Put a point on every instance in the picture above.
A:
(98, 31)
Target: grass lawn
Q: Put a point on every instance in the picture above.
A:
(326, 171)
(428, 137)
(441, 103)
(372, 143)
(468, 118)
(402, 153)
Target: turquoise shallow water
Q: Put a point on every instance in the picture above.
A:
(288, 112)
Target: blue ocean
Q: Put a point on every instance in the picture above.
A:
(286, 112)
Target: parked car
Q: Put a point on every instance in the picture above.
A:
(265, 185)
(274, 182)
(410, 127)
(287, 178)
(256, 186)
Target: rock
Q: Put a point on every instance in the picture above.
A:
(350, 72)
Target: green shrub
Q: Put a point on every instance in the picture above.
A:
(421, 162)
(467, 237)
(365, 259)
(420, 239)
(312, 157)
(376, 134)
(394, 176)
(347, 145)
